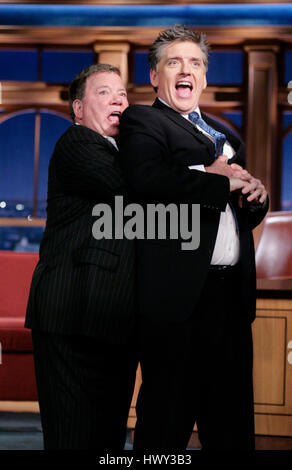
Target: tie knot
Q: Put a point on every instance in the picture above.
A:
(194, 116)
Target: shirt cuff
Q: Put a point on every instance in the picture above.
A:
(197, 167)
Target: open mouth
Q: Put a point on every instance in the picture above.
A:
(184, 88)
(114, 117)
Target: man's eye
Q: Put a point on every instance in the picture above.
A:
(173, 62)
(196, 63)
(102, 92)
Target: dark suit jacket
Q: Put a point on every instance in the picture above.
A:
(82, 285)
(157, 145)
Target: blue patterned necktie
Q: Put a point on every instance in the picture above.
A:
(219, 141)
(219, 138)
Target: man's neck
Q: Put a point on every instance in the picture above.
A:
(197, 110)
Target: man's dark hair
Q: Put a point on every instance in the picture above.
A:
(177, 33)
(77, 86)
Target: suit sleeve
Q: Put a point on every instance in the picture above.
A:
(254, 213)
(149, 169)
(87, 167)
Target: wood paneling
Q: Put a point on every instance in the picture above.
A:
(17, 94)
(272, 331)
(269, 364)
(115, 54)
(88, 35)
(262, 116)
(21, 222)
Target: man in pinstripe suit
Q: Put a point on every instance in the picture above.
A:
(80, 307)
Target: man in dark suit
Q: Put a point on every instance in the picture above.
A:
(80, 307)
(195, 307)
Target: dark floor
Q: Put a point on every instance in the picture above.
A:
(23, 431)
(20, 431)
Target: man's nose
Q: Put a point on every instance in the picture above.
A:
(185, 68)
(117, 98)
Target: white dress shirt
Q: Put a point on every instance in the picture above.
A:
(226, 250)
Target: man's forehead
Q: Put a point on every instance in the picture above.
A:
(105, 79)
(182, 49)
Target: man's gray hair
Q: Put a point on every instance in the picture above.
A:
(177, 33)
(77, 86)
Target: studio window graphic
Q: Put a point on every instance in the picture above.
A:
(24, 172)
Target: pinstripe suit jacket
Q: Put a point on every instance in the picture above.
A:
(82, 285)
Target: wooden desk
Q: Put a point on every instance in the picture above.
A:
(272, 334)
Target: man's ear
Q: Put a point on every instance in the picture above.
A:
(154, 79)
(78, 108)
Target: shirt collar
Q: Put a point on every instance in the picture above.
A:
(111, 139)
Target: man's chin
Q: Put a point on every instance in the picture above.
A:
(184, 108)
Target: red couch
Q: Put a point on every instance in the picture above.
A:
(17, 377)
(274, 253)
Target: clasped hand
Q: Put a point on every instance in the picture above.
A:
(239, 179)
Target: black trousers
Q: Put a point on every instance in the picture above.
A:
(198, 371)
(85, 387)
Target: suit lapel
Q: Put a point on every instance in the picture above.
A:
(79, 131)
(110, 145)
(185, 124)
